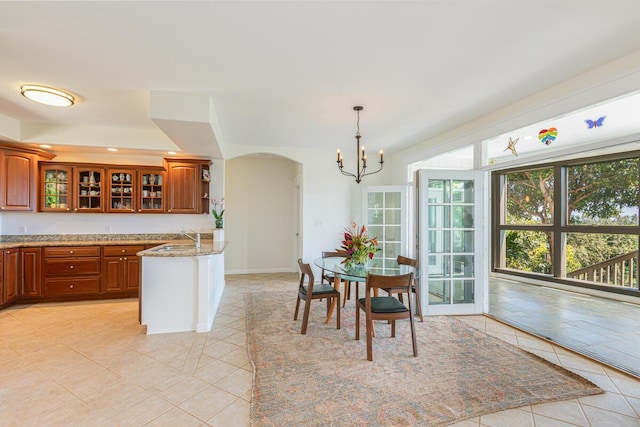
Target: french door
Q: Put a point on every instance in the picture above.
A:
(452, 241)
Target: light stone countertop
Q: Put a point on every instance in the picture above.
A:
(35, 241)
(185, 249)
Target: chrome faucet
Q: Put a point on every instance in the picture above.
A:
(195, 239)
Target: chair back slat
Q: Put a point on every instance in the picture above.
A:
(305, 270)
(397, 284)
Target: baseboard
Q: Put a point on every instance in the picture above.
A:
(261, 270)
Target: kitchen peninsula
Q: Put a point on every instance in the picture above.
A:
(181, 286)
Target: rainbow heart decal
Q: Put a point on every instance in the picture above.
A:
(547, 136)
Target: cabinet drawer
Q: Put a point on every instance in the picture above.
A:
(71, 286)
(121, 250)
(71, 251)
(71, 267)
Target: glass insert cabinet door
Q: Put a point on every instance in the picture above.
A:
(385, 217)
(451, 242)
(57, 185)
(88, 185)
(151, 192)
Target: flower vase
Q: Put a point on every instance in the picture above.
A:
(219, 223)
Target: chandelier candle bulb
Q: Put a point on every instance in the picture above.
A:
(381, 158)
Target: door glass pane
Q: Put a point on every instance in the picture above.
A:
(439, 292)
(375, 216)
(439, 216)
(393, 233)
(376, 231)
(439, 266)
(439, 241)
(393, 200)
(439, 191)
(462, 216)
(463, 291)
(393, 217)
(463, 241)
(391, 250)
(462, 191)
(375, 200)
(463, 265)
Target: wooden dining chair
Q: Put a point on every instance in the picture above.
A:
(314, 291)
(402, 260)
(328, 275)
(386, 307)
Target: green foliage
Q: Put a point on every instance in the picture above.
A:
(598, 194)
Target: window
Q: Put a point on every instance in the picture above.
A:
(574, 222)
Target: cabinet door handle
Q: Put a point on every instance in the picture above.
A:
(76, 209)
(139, 210)
(71, 267)
(2, 207)
(70, 252)
(123, 251)
(125, 258)
(169, 210)
(70, 286)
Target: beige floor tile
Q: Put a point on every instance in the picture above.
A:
(238, 383)
(610, 402)
(236, 414)
(601, 418)
(510, 418)
(180, 388)
(568, 411)
(175, 417)
(207, 403)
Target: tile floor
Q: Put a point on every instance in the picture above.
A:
(90, 364)
(601, 328)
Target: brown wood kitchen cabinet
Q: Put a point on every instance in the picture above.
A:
(121, 190)
(188, 185)
(121, 268)
(10, 276)
(31, 261)
(71, 270)
(150, 190)
(17, 181)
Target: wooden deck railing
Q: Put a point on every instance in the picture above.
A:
(618, 271)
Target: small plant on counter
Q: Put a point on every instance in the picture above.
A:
(218, 211)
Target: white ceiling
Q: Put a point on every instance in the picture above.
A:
(289, 73)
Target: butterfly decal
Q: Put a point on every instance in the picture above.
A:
(512, 146)
(595, 124)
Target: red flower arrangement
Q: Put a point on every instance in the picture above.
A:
(357, 245)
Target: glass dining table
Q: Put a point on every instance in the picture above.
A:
(359, 273)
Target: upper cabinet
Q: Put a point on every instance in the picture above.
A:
(65, 188)
(151, 194)
(188, 185)
(122, 190)
(89, 189)
(18, 178)
(56, 189)
(181, 187)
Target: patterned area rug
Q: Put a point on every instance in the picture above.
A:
(324, 379)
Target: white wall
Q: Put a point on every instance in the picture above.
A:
(259, 212)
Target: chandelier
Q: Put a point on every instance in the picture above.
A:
(361, 155)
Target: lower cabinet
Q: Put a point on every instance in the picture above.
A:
(31, 261)
(56, 273)
(11, 278)
(121, 268)
(71, 271)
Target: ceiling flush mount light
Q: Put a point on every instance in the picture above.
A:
(112, 149)
(361, 155)
(47, 95)
(173, 153)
